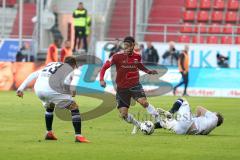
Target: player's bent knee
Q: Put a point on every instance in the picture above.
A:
(123, 115)
(50, 110)
(72, 106)
(143, 102)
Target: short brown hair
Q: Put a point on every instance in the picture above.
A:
(220, 119)
(71, 61)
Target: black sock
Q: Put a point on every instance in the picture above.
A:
(76, 121)
(176, 106)
(49, 118)
(157, 125)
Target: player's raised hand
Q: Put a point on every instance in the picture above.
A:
(103, 83)
(20, 94)
(153, 72)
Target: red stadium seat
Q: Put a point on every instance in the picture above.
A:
(205, 4)
(191, 4)
(233, 4)
(219, 4)
(201, 27)
(203, 16)
(215, 28)
(189, 16)
(212, 40)
(184, 39)
(9, 3)
(187, 28)
(217, 16)
(237, 40)
(231, 17)
(198, 39)
(228, 29)
(238, 30)
(226, 40)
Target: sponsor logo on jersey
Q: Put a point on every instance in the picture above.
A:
(128, 66)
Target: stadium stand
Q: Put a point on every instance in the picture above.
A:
(120, 21)
(217, 16)
(215, 20)
(205, 4)
(165, 12)
(9, 14)
(29, 11)
(184, 39)
(220, 17)
(233, 5)
(212, 40)
(191, 4)
(219, 4)
(9, 3)
(198, 39)
(201, 27)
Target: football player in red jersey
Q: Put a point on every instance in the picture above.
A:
(128, 63)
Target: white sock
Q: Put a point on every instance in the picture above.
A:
(78, 135)
(131, 119)
(151, 110)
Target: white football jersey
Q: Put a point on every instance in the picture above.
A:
(205, 124)
(42, 82)
(43, 77)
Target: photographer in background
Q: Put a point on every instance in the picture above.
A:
(150, 55)
(170, 57)
(222, 61)
(116, 48)
(24, 54)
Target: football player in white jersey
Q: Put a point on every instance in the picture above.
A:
(184, 122)
(53, 93)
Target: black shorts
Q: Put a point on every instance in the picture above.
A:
(80, 31)
(124, 96)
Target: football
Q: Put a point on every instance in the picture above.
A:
(147, 127)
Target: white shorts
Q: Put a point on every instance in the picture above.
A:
(60, 100)
(183, 119)
(205, 124)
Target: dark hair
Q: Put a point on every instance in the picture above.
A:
(220, 119)
(71, 61)
(129, 39)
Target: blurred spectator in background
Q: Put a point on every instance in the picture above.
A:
(170, 57)
(80, 24)
(183, 66)
(88, 28)
(24, 54)
(66, 50)
(116, 48)
(141, 51)
(55, 29)
(222, 61)
(150, 55)
(20, 56)
(52, 54)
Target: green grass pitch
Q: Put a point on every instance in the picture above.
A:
(22, 130)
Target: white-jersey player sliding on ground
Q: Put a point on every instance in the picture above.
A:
(51, 98)
(184, 122)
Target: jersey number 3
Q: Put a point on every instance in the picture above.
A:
(52, 68)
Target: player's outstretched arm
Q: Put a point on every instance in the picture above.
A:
(200, 111)
(144, 69)
(102, 73)
(26, 82)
